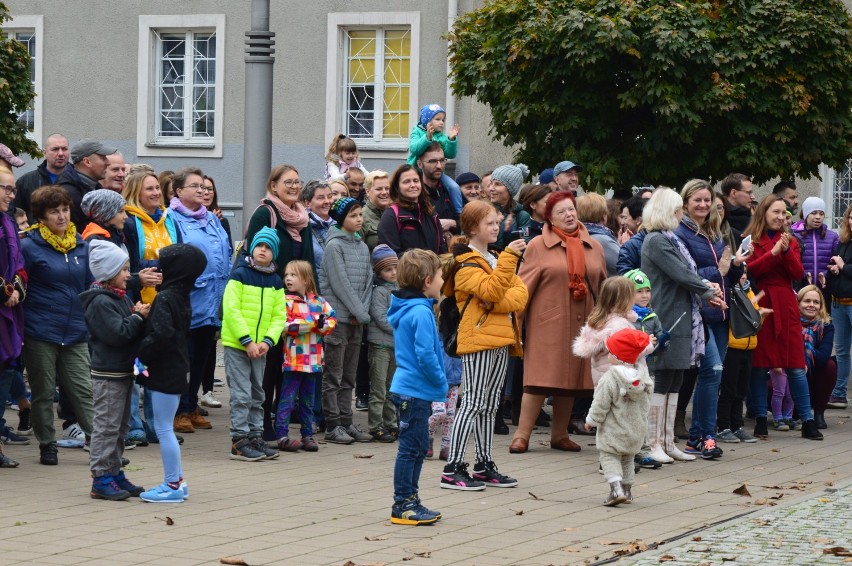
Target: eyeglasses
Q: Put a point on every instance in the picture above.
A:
(442, 161)
(210, 188)
(290, 183)
(198, 188)
(10, 189)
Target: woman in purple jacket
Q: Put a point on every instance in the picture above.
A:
(817, 242)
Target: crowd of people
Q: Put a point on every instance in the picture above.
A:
(613, 311)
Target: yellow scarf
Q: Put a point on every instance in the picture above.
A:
(62, 244)
(156, 237)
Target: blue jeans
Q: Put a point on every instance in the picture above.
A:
(413, 442)
(705, 400)
(841, 316)
(455, 192)
(798, 389)
(136, 427)
(6, 378)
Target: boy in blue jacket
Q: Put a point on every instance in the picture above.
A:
(419, 378)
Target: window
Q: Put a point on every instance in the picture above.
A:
(372, 78)
(29, 31)
(182, 110)
(836, 189)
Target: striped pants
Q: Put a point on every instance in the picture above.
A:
(483, 375)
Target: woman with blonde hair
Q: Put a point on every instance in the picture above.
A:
(592, 212)
(818, 334)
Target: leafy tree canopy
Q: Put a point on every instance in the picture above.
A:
(662, 91)
(16, 92)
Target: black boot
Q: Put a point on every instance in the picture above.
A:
(760, 427)
(819, 418)
(500, 426)
(810, 431)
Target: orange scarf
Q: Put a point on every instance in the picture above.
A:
(576, 261)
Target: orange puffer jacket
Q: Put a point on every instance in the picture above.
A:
(489, 328)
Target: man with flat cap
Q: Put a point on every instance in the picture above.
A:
(90, 164)
(565, 173)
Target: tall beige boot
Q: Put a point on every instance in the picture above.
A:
(656, 426)
(669, 445)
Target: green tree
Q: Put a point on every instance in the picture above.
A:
(661, 91)
(16, 92)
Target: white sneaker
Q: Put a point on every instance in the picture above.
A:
(210, 400)
(73, 432)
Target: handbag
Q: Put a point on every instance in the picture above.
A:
(745, 320)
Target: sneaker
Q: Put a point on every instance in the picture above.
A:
(728, 435)
(218, 382)
(242, 449)
(288, 444)
(129, 444)
(105, 487)
(487, 473)
(202, 411)
(381, 435)
(358, 434)
(309, 444)
(163, 494)
(268, 452)
(6, 462)
(182, 424)
(138, 439)
(210, 400)
(836, 402)
(7, 436)
(154, 440)
(73, 432)
(455, 476)
(127, 485)
(338, 435)
(49, 454)
(185, 489)
(744, 436)
(25, 427)
(362, 403)
(647, 462)
(124, 462)
(410, 512)
(780, 425)
(198, 421)
(793, 424)
(709, 450)
(694, 446)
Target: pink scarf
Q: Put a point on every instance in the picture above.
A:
(295, 219)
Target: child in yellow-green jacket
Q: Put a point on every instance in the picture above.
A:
(254, 315)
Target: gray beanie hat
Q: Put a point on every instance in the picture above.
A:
(106, 259)
(511, 176)
(102, 204)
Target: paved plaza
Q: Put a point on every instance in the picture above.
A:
(332, 507)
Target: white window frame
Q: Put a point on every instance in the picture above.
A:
(338, 22)
(34, 24)
(147, 145)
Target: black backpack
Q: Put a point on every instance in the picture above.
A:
(449, 316)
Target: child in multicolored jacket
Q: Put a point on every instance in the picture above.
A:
(309, 318)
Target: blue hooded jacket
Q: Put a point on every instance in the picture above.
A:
(419, 363)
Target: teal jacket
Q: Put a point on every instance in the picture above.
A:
(254, 308)
(418, 142)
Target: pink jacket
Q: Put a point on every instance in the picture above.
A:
(591, 343)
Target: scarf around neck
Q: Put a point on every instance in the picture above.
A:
(698, 342)
(295, 219)
(200, 215)
(102, 285)
(271, 268)
(64, 243)
(576, 261)
(812, 334)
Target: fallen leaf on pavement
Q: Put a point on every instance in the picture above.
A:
(822, 540)
(632, 548)
(233, 560)
(776, 450)
(776, 496)
(534, 496)
(424, 554)
(690, 480)
(612, 542)
(729, 559)
(837, 551)
(696, 539)
(518, 511)
(362, 455)
(569, 549)
(702, 549)
(742, 490)
(569, 529)
(375, 538)
(404, 559)
(824, 500)
(829, 483)
(760, 522)
(667, 558)
(168, 520)
(764, 501)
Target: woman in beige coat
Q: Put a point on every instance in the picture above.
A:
(563, 270)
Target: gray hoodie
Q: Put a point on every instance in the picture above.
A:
(346, 279)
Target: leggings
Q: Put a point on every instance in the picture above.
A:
(483, 375)
(782, 399)
(164, 406)
(444, 414)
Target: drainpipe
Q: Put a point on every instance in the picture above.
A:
(452, 14)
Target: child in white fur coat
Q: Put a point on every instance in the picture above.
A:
(620, 411)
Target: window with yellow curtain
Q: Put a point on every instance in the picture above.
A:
(376, 83)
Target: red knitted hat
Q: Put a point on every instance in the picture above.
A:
(627, 344)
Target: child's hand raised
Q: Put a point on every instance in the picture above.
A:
(430, 129)
(454, 131)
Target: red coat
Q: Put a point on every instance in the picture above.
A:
(779, 343)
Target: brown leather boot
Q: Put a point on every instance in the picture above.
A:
(183, 424)
(198, 421)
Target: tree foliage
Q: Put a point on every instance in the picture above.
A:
(16, 92)
(661, 91)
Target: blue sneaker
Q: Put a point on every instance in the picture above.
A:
(185, 489)
(8, 436)
(410, 512)
(105, 487)
(163, 494)
(127, 485)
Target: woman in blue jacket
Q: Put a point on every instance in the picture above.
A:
(56, 260)
(699, 230)
(201, 228)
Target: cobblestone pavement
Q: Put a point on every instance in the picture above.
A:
(817, 530)
(332, 507)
